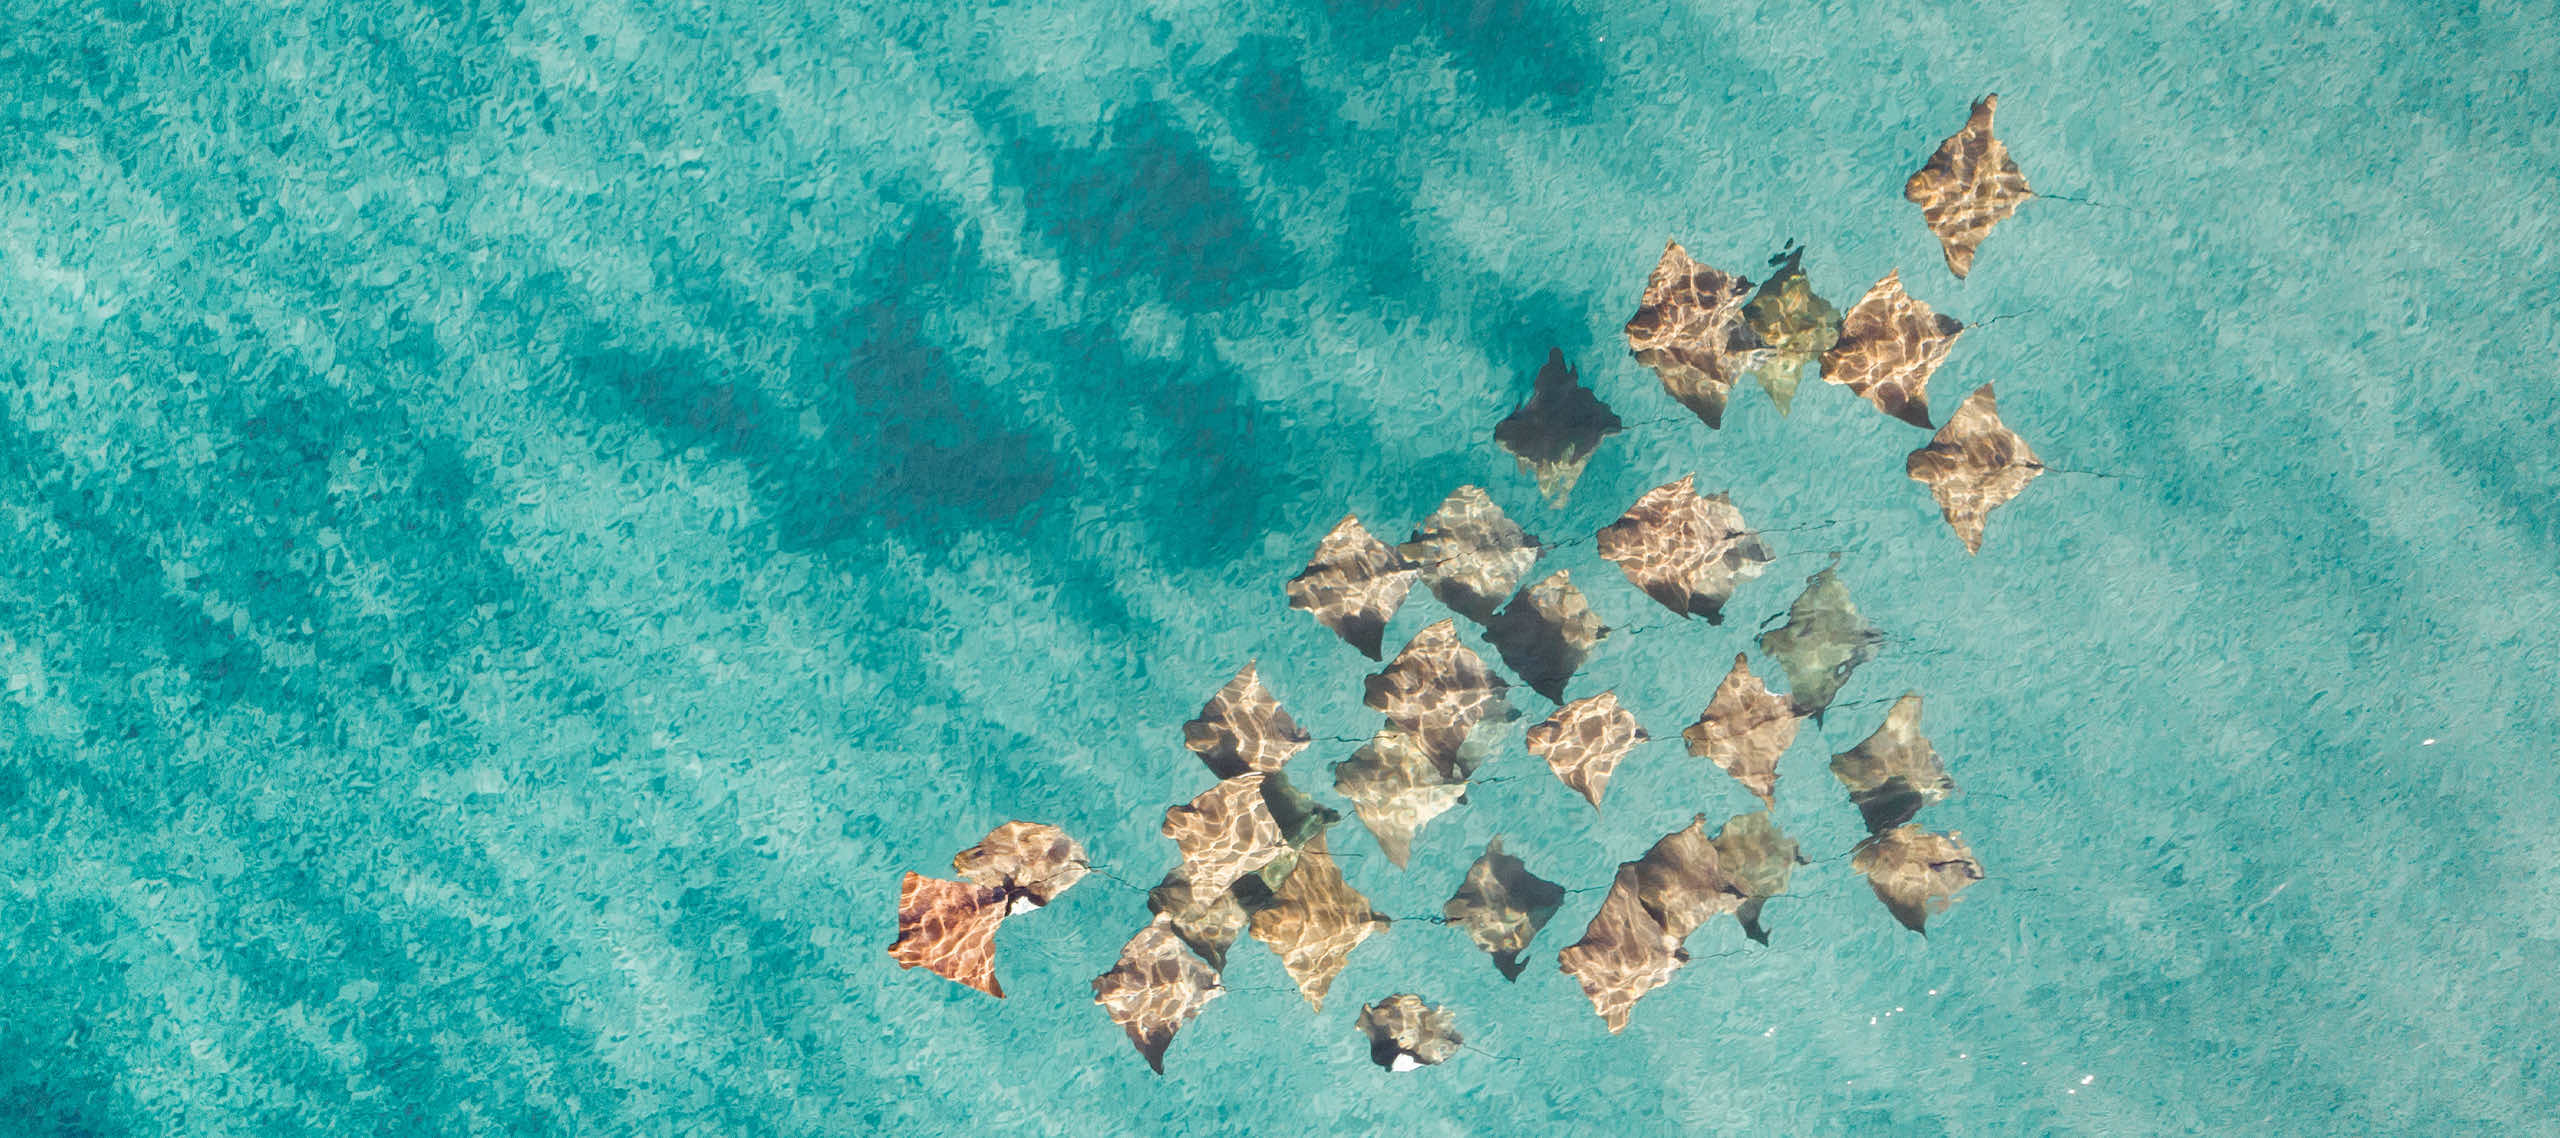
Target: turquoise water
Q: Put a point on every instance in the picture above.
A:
(525, 518)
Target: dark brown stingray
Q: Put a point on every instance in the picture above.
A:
(1471, 554)
(1969, 185)
(1406, 1034)
(1690, 331)
(1974, 466)
(1556, 432)
(1744, 729)
(1915, 872)
(1440, 690)
(949, 928)
(1634, 944)
(1314, 921)
(1823, 641)
(1225, 833)
(1502, 906)
(1397, 787)
(1031, 863)
(1796, 325)
(1155, 990)
(1686, 551)
(1243, 728)
(1894, 772)
(1760, 858)
(1889, 345)
(1584, 741)
(1353, 585)
(1546, 634)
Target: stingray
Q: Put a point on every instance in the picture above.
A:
(1889, 345)
(949, 927)
(1915, 872)
(1315, 920)
(1353, 585)
(1968, 186)
(1796, 325)
(1690, 331)
(1471, 554)
(1155, 990)
(1584, 740)
(1029, 862)
(1759, 858)
(1546, 634)
(1895, 771)
(1634, 944)
(1502, 906)
(1243, 728)
(1974, 466)
(1207, 920)
(1555, 432)
(1688, 552)
(1440, 690)
(1744, 729)
(1823, 641)
(1225, 833)
(1406, 1034)
(1397, 787)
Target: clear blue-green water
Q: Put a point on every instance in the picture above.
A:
(523, 519)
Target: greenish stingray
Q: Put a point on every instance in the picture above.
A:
(1797, 326)
(1823, 641)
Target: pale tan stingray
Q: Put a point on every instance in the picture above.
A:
(1584, 741)
(1974, 466)
(1690, 331)
(1156, 990)
(1353, 585)
(1967, 187)
(1744, 729)
(1889, 346)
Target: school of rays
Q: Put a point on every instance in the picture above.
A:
(1251, 851)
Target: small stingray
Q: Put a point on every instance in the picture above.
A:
(1555, 433)
(949, 927)
(1243, 728)
(1029, 862)
(1155, 990)
(1315, 920)
(1353, 585)
(1208, 921)
(1688, 552)
(1895, 771)
(1744, 729)
(1406, 1034)
(1796, 325)
(1633, 944)
(1823, 641)
(1397, 787)
(1225, 833)
(1974, 466)
(1472, 554)
(1759, 858)
(1440, 690)
(1690, 331)
(1546, 634)
(1915, 872)
(1502, 906)
(1584, 740)
(1889, 345)
(1968, 186)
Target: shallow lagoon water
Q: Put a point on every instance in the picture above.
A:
(524, 519)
